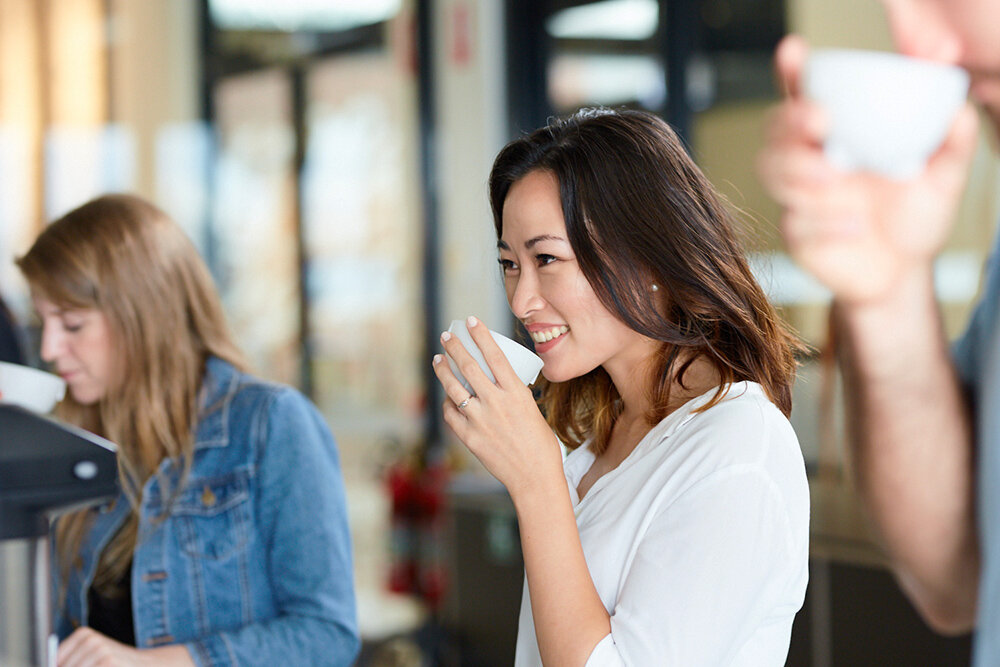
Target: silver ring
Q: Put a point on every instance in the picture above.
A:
(466, 401)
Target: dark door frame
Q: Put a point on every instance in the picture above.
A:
(529, 47)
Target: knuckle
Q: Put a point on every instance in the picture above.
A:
(467, 366)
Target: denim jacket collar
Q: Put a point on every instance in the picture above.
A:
(218, 388)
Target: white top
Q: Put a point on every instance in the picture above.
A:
(698, 543)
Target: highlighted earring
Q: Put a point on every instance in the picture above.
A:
(656, 288)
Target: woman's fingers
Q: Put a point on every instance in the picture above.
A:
(455, 391)
(455, 419)
(80, 649)
(67, 655)
(469, 367)
(502, 370)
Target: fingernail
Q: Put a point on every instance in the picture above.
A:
(472, 321)
(445, 337)
(438, 359)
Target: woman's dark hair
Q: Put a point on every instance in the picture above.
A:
(639, 212)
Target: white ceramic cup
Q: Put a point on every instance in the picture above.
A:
(888, 113)
(30, 388)
(525, 363)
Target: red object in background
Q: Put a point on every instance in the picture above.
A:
(403, 563)
(431, 577)
(461, 34)
(417, 526)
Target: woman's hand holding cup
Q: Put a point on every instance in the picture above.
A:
(498, 420)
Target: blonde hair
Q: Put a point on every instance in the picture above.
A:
(125, 258)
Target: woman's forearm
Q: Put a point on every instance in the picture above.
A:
(570, 619)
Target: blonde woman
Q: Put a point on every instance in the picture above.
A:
(228, 543)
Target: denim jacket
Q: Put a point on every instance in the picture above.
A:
(252, 563)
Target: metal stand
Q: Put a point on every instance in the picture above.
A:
(44, 641)
(45, 466)
(25, 597)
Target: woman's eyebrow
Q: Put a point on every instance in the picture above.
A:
(55, 310)
(530, 243)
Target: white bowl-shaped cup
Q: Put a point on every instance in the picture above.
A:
(525, 363)
(888, 113)
(30, 388)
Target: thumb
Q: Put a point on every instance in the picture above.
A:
(789, 60)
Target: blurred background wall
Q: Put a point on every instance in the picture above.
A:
(330, 159)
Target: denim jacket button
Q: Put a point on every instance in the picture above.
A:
(208, 498)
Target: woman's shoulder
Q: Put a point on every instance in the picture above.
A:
(742, 442)
(272, 406)
(744, 407)
(737, 407)
(743, 428)
(228, 386)
(252, 388)
(240, 404)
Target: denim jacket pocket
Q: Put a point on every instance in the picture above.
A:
(213, 516)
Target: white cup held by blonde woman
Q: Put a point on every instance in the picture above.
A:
(30, 388)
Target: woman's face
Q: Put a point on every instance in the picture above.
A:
(77, 343)
(573, 332)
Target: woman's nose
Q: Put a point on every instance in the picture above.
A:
(51, 344)
(525, 297)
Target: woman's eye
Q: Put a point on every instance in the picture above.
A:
(72, 327)
(544, 259)
(506, 265)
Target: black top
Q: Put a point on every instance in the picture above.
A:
(11, 349)
(112, 616)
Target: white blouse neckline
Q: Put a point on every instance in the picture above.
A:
(580, 460)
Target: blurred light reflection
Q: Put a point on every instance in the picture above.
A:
(291, 15)
(609, 19)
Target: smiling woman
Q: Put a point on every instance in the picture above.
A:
(682, 537)
(573, 332)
